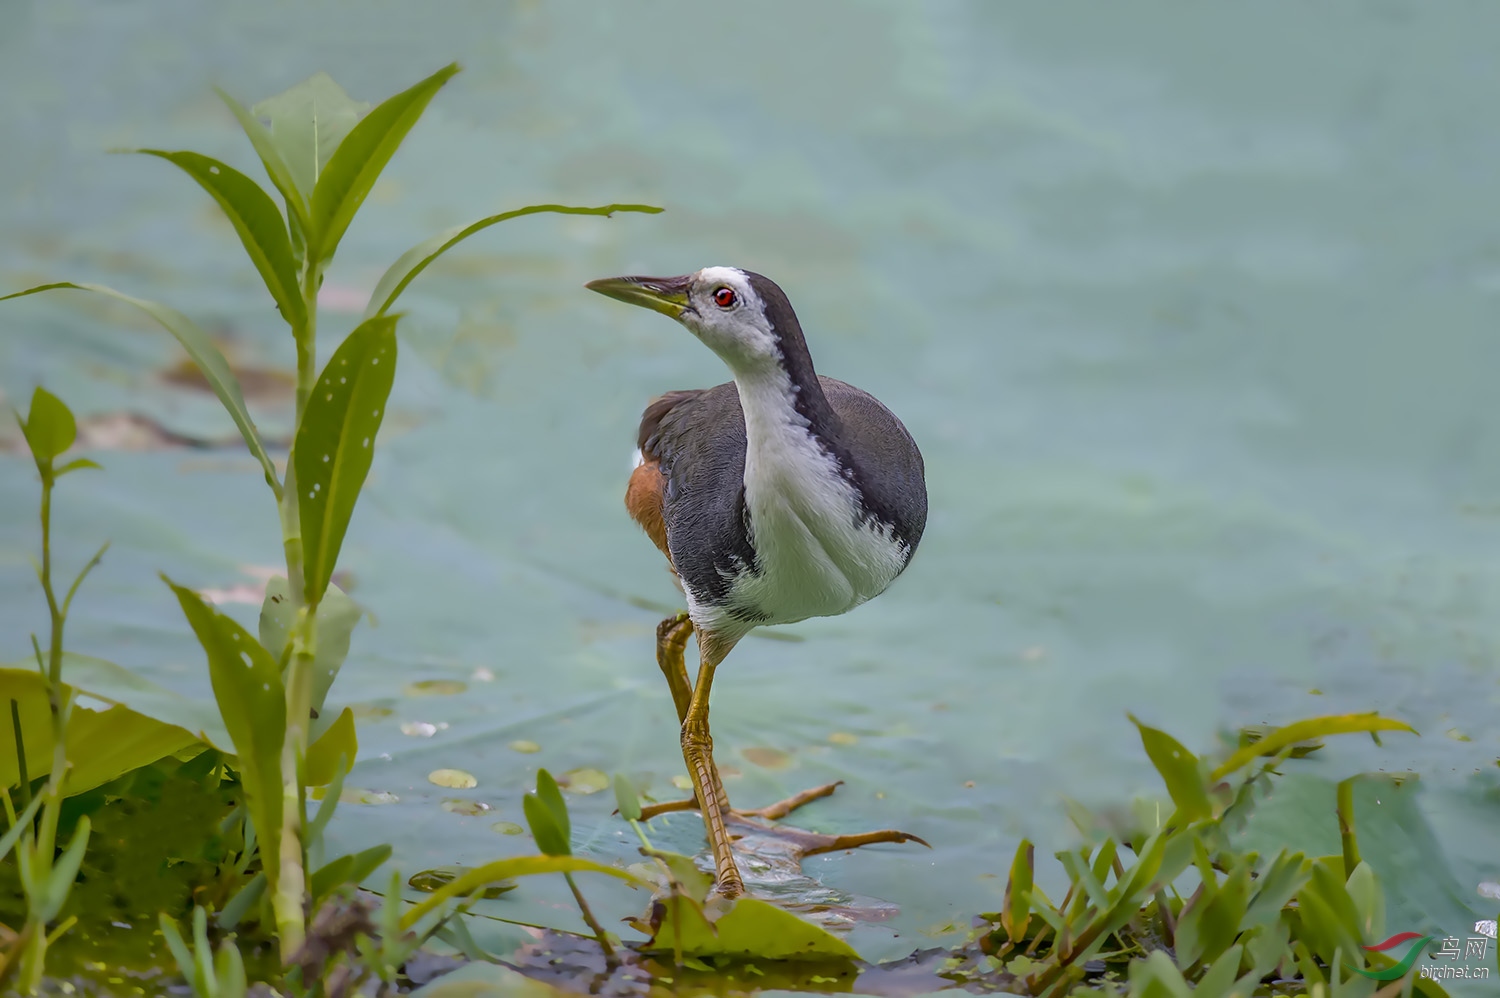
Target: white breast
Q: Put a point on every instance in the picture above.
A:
(816, 555)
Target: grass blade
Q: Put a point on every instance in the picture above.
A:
(1301, 731)
(335, 443)
(257, 221)
(415, 260)
(509, 869)
(360, 158)
(201, 349)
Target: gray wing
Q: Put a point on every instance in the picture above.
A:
(698, 438)
(873, 439)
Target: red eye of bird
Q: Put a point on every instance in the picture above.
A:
(724, 297)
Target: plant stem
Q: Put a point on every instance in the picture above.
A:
(290, 889)
(43, 841)
(1345, 806)
(590, 921)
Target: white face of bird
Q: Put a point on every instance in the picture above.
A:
(724, 312)
(717, 304)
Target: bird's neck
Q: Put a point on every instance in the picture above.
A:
(791, 431)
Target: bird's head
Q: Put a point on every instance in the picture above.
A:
(740, 316)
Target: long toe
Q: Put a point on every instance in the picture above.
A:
(811, 843)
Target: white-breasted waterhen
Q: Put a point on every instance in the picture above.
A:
(778, 496)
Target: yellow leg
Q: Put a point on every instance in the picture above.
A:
(698, 753)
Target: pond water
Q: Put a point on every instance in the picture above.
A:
(1193, 313)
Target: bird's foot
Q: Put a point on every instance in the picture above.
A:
(803, 843)
(771, 812)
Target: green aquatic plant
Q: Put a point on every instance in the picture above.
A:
(46, 876)
(323, 153)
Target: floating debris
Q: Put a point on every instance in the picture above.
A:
(583, 781)
(369, 711)
(435, 688)
(525, 747)
(682, 782)
(507, 828)
(470, 808)
(843, 738)
(453, 779)
(418, 729)
(483, 675)
(767, 758)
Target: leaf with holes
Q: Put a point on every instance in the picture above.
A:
(247, 686)
(209, 359)
(364, 152)
(257, 222)
(49, 427)
(336, 441)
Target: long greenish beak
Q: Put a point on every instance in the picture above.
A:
(667, 295)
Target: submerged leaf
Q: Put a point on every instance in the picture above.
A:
(336, 441)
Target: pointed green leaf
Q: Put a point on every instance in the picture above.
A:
(49, 428)
(77, 464)
(337, 614)
(360, 158)
(336, 442)
(1016, 912)
(23, 821)
(172, 933)
(229, 969)
(201, 349)
(350, 869)
(64, 872)
(415, 260)
(508, 869)
(247, 686)
(307, 124)
(257, 222)
(338, 742)
(549, 794)
(550, 839)
(1179, 771)
(1301, 731)
(626, 799)
(270, 158)
(1276, 886)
